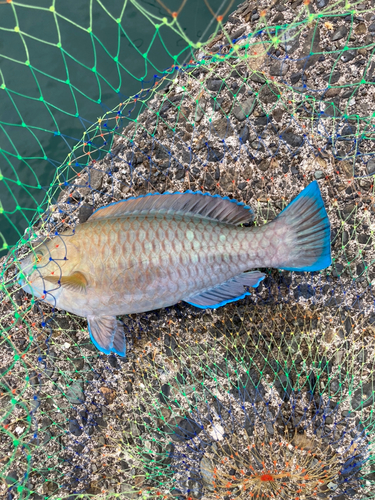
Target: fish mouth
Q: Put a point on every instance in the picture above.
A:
(28, 272)
(25, 271)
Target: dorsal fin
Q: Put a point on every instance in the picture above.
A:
(194, 203)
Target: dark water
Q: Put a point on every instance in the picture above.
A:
(52, 92)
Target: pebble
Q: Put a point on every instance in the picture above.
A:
(321, 3)
(306, 291)
(207, 472)
(238, 33)
(348, 325)
(370, 167)
(200, 109)
(292, 139)
(310, 50)
(363, 397)
(129, 387)
(164, 394)
(244, 134)
(84, 212)
(113, 361)
(269, 428)
(217, 103)
(332, 77)
(95, 179)
(337, 270)
(278, 18)
(182, 429)
(348, 55)
(75, 393)
(346, 413)
(268, 94)
(108, 394)
(364, 239)
(346, 131)
(362, 357)
(340, 33)
(371, 28)
(258, 78)
(242, 110)
(360, 29)
(325, 365)
(170, 344)
(214, 84)
(261, 121)
(74, 427)
(217, 173)
(33, 378)
(214, 155)
(284, 387)
(181, 173)
(11, 477)
(84, 416)
(319, 174)
(295, 77)
(78, 364)
(289, 40)
(279, 68)
(258, 146)
(361, 268)
(99, 422)
(249, 388)
(312, 382)
(169, 453)
(221, 128)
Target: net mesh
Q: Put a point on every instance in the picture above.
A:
(278, 95)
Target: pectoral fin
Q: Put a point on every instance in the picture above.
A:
(76, 282)
(107, 334)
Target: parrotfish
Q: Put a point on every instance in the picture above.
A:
(153, 251)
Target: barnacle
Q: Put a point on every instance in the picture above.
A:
(261, 466)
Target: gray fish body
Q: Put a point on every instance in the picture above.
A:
(143, 263)
(154, 251)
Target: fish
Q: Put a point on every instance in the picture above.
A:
(153, 251)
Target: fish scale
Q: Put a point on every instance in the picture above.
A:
(150, 252)
(186, 242)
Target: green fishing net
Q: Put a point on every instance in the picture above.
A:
(269, 397)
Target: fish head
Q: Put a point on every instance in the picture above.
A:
(47, 258)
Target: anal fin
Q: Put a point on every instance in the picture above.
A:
(107, 334)
(229, 291)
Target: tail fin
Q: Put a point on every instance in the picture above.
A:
(307, 233)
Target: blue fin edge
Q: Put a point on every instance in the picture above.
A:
(122, 354)
(219, 304)
(215, 306)
(325, 260)
(239, 203)
(100, 348)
